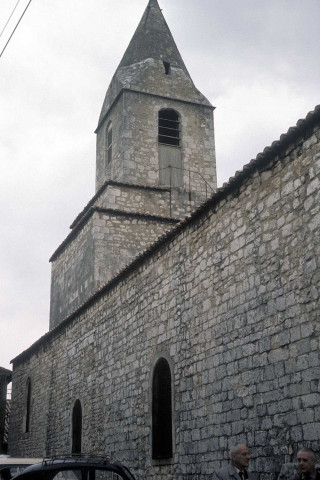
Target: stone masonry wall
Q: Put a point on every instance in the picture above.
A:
(119, 240)
(36, 439)
(106, 170)
(161, 202)
(102, 247)
(5, 377)
(233, 300)
(74, 262)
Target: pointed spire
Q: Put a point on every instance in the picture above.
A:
(153, 39)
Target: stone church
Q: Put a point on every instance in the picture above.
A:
(184, 318)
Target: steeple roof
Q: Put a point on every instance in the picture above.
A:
(153, 39)
(141, 68)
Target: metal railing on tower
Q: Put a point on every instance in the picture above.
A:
(207, 186)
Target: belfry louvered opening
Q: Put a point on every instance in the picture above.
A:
(169, 128)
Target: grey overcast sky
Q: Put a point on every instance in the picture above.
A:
(257, 61)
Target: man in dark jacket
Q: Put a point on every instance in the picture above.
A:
(237, 470)
(307, 465)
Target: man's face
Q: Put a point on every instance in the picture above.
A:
(306, 462)
(241, 458)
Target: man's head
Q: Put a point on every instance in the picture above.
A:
(306, 460)
(240, 456)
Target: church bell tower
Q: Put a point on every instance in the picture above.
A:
(155, 163)
(155, 127)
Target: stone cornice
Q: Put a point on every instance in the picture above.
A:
(110, 212)
(149, 94)
(113, 183)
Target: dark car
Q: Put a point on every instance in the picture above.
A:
(76, 468)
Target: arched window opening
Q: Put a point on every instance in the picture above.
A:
(169, 128)
(109, 142)
(28, 406)
(76, 427)
(161, 411)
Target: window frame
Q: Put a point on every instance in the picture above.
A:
(169, 127)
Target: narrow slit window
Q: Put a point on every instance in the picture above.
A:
(162, 445)
(169, 128)
(109, 142)
(28, 405)
(76, 427)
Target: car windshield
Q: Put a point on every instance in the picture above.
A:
(87, 474)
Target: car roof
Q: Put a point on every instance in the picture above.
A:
(73, 462)
(12, 461)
